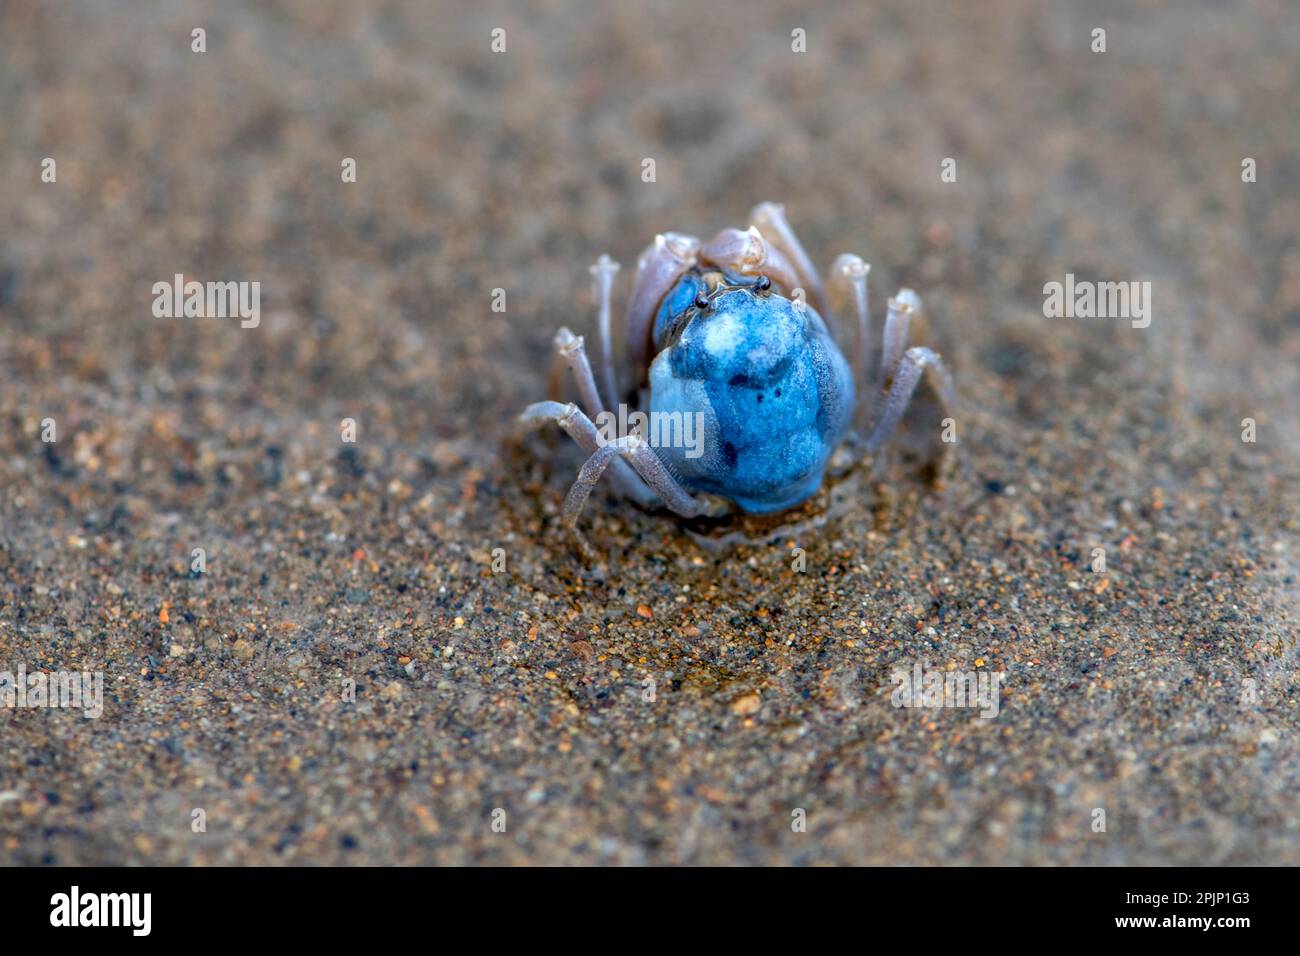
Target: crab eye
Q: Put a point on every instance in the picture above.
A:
(763, 284)
(701, 301)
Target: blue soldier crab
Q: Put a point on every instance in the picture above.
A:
(740, 334)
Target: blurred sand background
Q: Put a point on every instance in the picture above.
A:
(523, 690)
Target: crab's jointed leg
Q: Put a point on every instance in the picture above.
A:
(848, 292)
(915, 362)
(602, 282)
(570, 349)
(580, 428)
(633, 449)
(568, 416)
(898, 318)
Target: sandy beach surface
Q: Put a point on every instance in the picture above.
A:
(351, 680)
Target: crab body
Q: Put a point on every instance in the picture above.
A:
(774, 393)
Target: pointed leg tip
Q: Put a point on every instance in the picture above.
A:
(604, 266)
(851, 266)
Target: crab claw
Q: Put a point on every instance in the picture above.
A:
(665, 261)
(740, 251)
(749, 254)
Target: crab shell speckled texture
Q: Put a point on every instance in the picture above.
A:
(775, 395)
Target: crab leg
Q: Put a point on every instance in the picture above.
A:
(915, 361)
(848, 291)
(897, 319)
(631, 448)
(570, 349)
(579, 427)
(602, 281)
(568, 416)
